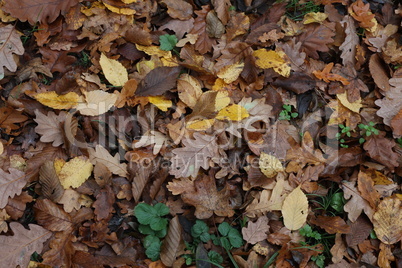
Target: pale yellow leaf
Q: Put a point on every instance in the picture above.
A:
(266, 59)
(101, 155)
(200, 124)
(295, 209)
(75, 172)
(122, 11)
(222, 100)
(353, 106)
(154, 50)
(189, 89)
(232, 112)
(56, 101)
(114, 71)
(231, 72)
(312, 17)
(97, 102)
(161, 102)
(270, 165)
(1, 148)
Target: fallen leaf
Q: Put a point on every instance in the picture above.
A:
(173, 244)
(332, 225)
(271, 59)
(162, 103)
(97, 102)
(353, 106)
(152, 137)
(75, 172)
(10, 44)
(294, 209)
(114, 71)
(202, 194)
(232, 112)
(179, 9)
(355, 204)
(17, 249)
(387, 221)
(51, 186)
(51, 217)
(189, 89)
(256, 231)
(101, 155)
(366, 188)
(56, 101)
(49, 127)
(158, 81)
(11, 184)
(104, 204)
(270, 165)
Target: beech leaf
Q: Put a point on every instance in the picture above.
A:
(114, 71)
(158, 81)
(294, 209)
(387, 221)
(172, 245)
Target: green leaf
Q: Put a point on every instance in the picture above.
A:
(149, 240)
(306, 230)
(145, 229)
(235, 238)
(361, 140)
(153, 251)
(224, 228)
(162, 233)
(224, 242)
(158, 223)
(199, 228)
(319, 260)
(144, 213)
(205, 237)
(215, 257)
(337, 202)
(161, 209)
(167, 42)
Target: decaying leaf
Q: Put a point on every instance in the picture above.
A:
(11, 184)
(10, 44)
(256, 231)
(270, 165)
(49, 127)
(387, 221)
(294, 209)
(173, 244)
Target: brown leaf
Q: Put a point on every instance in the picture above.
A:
(173, 244)
(356, 204)
(204, 42)
(256, 231)
(296, 82)
(104, 204)
(16, 206)
(57, 61)
(17, 249)
(101, 155)
(387, 221)
(10, 44)
(338, 250)
(315, 38)
(9, 118)
(380, 149)
(50, 216)
(61, 250)
(214, 27)
(361, 12)
(49, 127)
(385, 256)
(366, 188)
(332, 225)
(379, 72)
(158, 81)
(222, 9)
(202, 194)
(11, 184)
(396, 124)
(51, 187)
(43, 11)
(179, 9)
(348, 47)
(360, 230)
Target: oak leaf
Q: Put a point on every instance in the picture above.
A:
(70, 200)
(49, 127)
(365, 185)
(17, 249)
(256, 231)
(43, 11)
(202, 194)
(326, 76)
(104, 203)
(362, 13)
(11, 184)
(9, 118)
(387, 221)
(101, 155)
(10, 44)
(195, 153)
(348, 46)
(355, 204)
(295, 209)
(380, 148)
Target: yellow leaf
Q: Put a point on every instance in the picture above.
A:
(295, 209)
(231, 72)
(353, 106)
(222, 100)
(270, 165)
(75, 172)
(122, 11)
(114, 71)
(58, 164)
(56, 101)
(160, 102)
(387, 221)
(219, 84)
(271, 59)
(312, 17)
(200, 124)
(97, 102)
(232, 112)
(88, 11)
(129, 1)
(154, 50)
